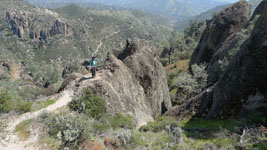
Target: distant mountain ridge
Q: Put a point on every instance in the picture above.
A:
(175, 9)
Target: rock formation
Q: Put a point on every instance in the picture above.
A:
(135, 84)
(140, 56)
(245, 77)
(242, 86)
(61, 28)
(226, 23)
(22, 26)
(18, 22)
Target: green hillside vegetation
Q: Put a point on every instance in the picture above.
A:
(37, 44)
(118, 131)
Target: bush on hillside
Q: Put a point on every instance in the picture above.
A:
(88, 103)
(159, 124)
(190, 85)
(122, 121)
(70, 129)
(23, 106)
(5, 100)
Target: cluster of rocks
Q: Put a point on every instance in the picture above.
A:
(22, 26)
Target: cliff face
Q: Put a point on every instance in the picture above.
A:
(226, 23)
(241, 87)
(137, 85)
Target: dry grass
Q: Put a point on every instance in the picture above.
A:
(179, 66)
(14, 72)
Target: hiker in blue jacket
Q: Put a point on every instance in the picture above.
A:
(92, 65)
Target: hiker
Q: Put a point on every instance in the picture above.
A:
(92, 65)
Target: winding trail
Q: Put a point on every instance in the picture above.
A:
(14, 143)
(112, 34)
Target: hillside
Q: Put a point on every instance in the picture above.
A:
(210, 96)
(33, 38)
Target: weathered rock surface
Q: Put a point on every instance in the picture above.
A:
(22, 26)
(246, 73)
(140, 56)
(137, 85)
(226, 23)
(242, 86)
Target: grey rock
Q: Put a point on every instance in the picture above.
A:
(140, 56)
(246, 73)
(226, 23)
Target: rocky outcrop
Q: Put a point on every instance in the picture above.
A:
(140, 56)
(61, 28)
(140, 90)
(18, 22)
(226, 23)
(245, 77)
(22, 26)
(241, 87)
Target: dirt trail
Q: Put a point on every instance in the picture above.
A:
(14, 142)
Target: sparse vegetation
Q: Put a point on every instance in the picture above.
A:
(160, 124)
(23, 129)
(188, 85)
(3, 130)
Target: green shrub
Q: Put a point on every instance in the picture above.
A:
(99, 127)
(159, 124)
(5, 102)
(129, 139)
(190, 85)
(122, 121)
(88, 103)
(23, 106)
(70, 129)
